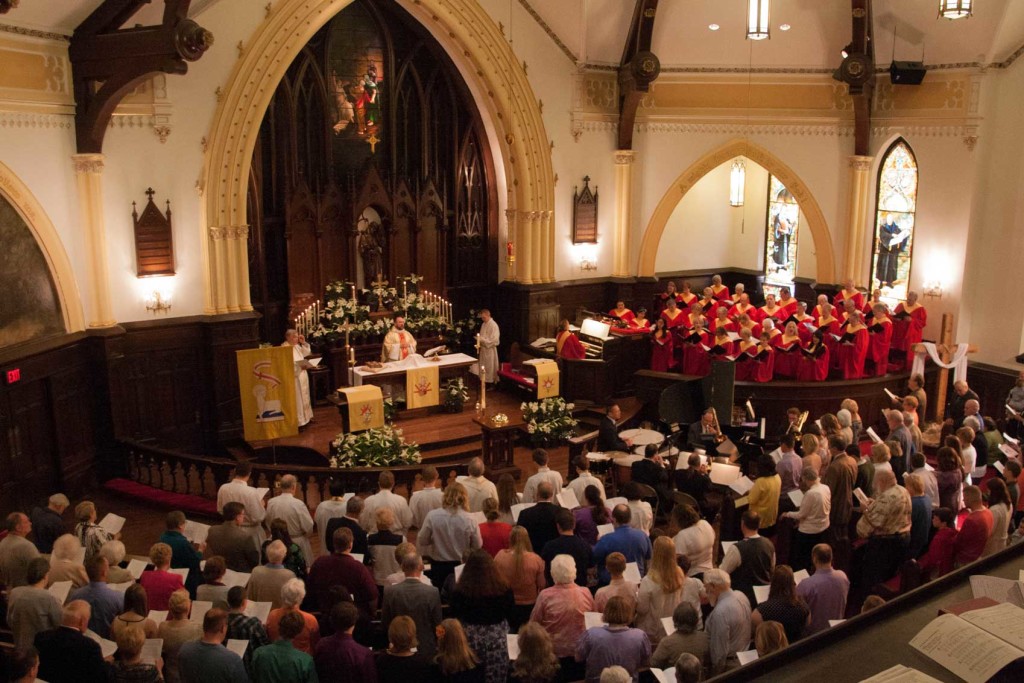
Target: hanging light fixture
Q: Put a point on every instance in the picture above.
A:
(737, 182)
(758, 26)
(956, 9)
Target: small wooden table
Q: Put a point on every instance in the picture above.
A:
(499, 444)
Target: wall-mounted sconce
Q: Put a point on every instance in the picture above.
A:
(157, 303)
(587, 263)
(932, 289)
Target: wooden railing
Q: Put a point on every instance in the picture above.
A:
(202, 476)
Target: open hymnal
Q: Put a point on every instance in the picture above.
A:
(761, 593)
(112, 523)
(567, 499)
(726, 545)
(901, 674)
(742, 485)
(196, 531)
(999, 589)
(976, 644)
(1008, 451)
(358, 557)
(874, 435)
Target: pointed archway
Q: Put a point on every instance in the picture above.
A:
(687, 179)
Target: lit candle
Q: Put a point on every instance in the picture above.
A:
(353, 293)
(405, 284)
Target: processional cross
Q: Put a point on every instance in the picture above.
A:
(946, 348)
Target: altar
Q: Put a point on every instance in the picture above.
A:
(451, 365)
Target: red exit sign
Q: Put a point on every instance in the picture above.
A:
(14, 375)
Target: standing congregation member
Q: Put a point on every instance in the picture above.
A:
(66, 654)
(207, 660)
(559, 610)
(415, 600)
(751, 560)
(282, 661)
(294, 512)
(340, 568)
(825, 592)
(634, 544)
(292, 595)
(664, 587)
(300, 351)
(489, 337)
(543, 474)
(405, 660)
(728, 625)
(569, 542)
(129, 667)
(240, 626)
(353, 511)
(615, 644)
(427, 498)
(160, 582)
(238, 490)
(615, 563)
(267, 580)
(695, 540)
(686, 639)
(494, 533)
(385, 497)
(478, 487)
(812, 519)
(449, 532)
(183, 554)
(1001, 508)
(231, 541)
(48, 522)
(481, 601)
(783, 605)
(339, 657)
(522, 569)
(178, 629)
(539, 520)
(886, 524)
(939, 560)
(976, 529)
(584, 479)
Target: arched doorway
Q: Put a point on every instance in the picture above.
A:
(816, 225)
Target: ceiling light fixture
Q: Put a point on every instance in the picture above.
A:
(956, 9)
(845, 52)
(737, 182)
(784, 27)
(714, 27)
(758, 24)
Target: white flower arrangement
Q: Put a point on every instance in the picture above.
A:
(383, 447)
(549, 420)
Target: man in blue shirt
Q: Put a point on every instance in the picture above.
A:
(633, 543)
(207, 660)
(106, 603)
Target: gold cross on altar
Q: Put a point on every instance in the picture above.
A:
(945, 348)
(380, 281)
(373, 140)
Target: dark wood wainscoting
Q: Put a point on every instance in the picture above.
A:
(992, 384)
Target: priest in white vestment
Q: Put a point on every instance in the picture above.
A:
(490, 337)
(300, 350)
(285, 506)
(398, 343)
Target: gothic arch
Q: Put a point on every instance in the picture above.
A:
(22, 199)
(687, 179)
(493, 74)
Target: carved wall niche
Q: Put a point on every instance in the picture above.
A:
(584, 214)
(154, 244)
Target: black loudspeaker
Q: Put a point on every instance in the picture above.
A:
(682, 402)
(907, 73)
(719, 389)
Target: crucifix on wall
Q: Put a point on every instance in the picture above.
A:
(946, 351)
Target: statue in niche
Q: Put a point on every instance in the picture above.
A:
(371, 243)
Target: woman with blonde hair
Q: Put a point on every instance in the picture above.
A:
(536, 662)
(523, 569)
(770, 637)
(664, 587)
(64, 565)
(809, 444)
(160, 582)
(456, 660)
(856, 425)
(90, 534)
(449, 532)
(880, 456)
(176, 631)
(129, 667)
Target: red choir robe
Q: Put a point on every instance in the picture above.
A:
(661, 302)
(843, 295)
(816, 314)
(813, 364)
(721, 292)
(709, 307)
(662, 347)
(729, 326)
(908, 329)
(568, 345)
(640, 323)
(775, 335)
(745, 360)
(695, 357)
(625, 315)
(852, 355)
(722, 351)
(739, 309)
(787, 356)
(801, 326)
(686, 301)
(788, 307)
(880, 340)
(754, 327)
(763, 362)
(693, 317)
(778, 314)
(674, 321)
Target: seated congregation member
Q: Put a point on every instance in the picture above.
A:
(908, 326)
(825, 592)
(494, 533)
(404, 660)
(728, 625)
(178, 629)
(641, 321)
(31, 608)
(104, 602)
(544, 473)
(523, 570)
(673, 315)
(764, 496)
(295, 514)
(567, 344)
(64, 564)
(617, 585)
(750, 560)
(783, 605)
(614, 644)
(685, 639)
(66, 654)
(812, 518)
(559, 611)
(292, 595)
(478, 487)
(852, 349)
(539, 520)
(129, 667)
(664, 587)
(16, 551)
(608, 438)
(135, 616)
(813, 363)
(339, 657)
(886, 525)
(240, 626)
(693, 479)
(662, 348)
(414, 600)
(879, 340)
(482, 600)
(337, 568)
(353, 510)
(695, 539)
(267, 580)
(213, 588)
(569, 540)
(282, 661)
(634, 544)
(449, 532)
(456, 660)
(851, 293)
(207, 660)
(939, 559)
(720, 291)
(386, 498)
(653, 472)
(232, 541)
(787, 356)
(621, 313)
(695, 356)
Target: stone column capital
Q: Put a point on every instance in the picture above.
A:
(87, 163)
(861, 163)
(625, 157)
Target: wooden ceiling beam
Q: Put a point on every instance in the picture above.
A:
(858, 72)
(638, 68)
(108, 62)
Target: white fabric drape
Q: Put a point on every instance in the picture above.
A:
(958, 364)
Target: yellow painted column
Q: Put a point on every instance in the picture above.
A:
(624, 160)
(547, 237)
(218, 269)
(89, 180)
(241, 245)
(857, 221)
(525, 255)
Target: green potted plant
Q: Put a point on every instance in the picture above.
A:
(455, 395)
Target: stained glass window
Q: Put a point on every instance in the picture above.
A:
(781, 242)
(894, 222)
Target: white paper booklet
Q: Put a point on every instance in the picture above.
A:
(742, 485)
(567, 499)
(136, 567)
(199, 610)
(632, 573)
(196, 531)
(112, 523)
(60, 590)
(797, 496)
(238, 646)
(152, 648)
(513, 646)
(260, 610)
(874, 435)
(593, 619)
(901, 674)
(519, 507)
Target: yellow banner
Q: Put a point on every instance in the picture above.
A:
(421, 390)
(266, 386)
(365, 407)
(547, 379)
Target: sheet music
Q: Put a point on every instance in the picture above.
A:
(874, 435)
(901, 674)
(726, 545)
(604, 529)
(478, 517)
(742, 485)
(723, 474)
(800, 576)
(261, 493)
(158, 616)
(1010, 439)
(797, 496)
(112, 523)
(136, 567)
(1008, 452)
(741, 502)
(963, 648)
(199, 610)
(1000, 590)
(233, 578)
(1004, 621)
(107, 647)
(668, 625)
(891, 395)
(358, 557)
(632, 573)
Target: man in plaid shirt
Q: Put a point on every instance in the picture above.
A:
(242, 627)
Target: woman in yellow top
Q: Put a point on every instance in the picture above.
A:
(764, 497)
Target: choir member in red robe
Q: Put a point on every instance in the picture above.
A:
(696, 314)
(849, 291)
(744, 359)
(787, 303)
(852, 349)
(661, 301)
(813, 364)
(673, 315)
(662, 347)
(621, 313)
(803, 320)
(820, 308)
(723, 347)
(742, 307)
(720, 291)
(770, 328)
(745, 322)
(568, 345)
(640, 321)
(845, 311)
(879, 340)
(708, 303)
(721, 320)
(787, 356)
(908, 327)
(869, 306)
(772, 309)
(687, 298)
(695, 352)
(764, 360)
